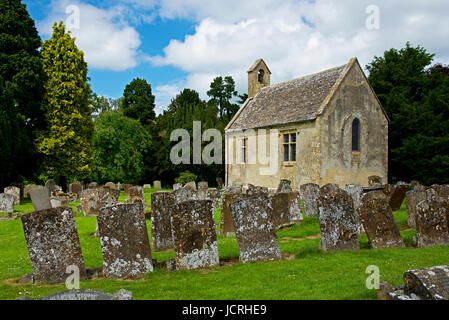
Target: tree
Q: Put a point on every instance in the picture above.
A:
(120, 144)
(416, 98)
(22, 73)
(221, 92)
(66, 142)
(138, 101)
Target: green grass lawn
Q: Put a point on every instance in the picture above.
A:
(306, 272)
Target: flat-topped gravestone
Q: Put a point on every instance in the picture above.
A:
(412, 199)
(432, 225)
(185, 194)
(428, 284)
(15, 192)
(255, 230)
(378, 221)
(284, 186)
(161, 234)
(6, 203)
(124, 241)
(157, 184)
(398, 196)
(147, 186)
(339, 230)
(226, 223)
(309, 195)
(40, 198)
(194, 235)
(53, 244)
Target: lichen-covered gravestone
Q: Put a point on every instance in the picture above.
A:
(76, 188)
(161, 234)
(442, 190)
(356, 192)
(136, 195)
(53, 244)
(428, 284)
(185, 194)
(432, 224)
(255, 230)
(124, 241)
(194, 235)
(412, 198)
(202, 190)
(284, 186)
(215, 196)
(378, 221)
(6, 203)
(398, 196)
(253, 190)
(309, 195)
(177, 186)
(226, 223)
(374, 181)
(40, 198)
(91, 201)
(15, 192)
(286, 209)
(339, 230)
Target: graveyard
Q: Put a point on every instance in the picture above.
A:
(304, 271)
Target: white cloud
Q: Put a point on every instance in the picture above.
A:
(295, 37)
(108, 41)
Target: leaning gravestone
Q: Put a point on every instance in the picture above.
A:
(412, 199)
(339, 230)
(53, 244)
(27, 189)
(389, 190)
(6, 203)
(124, 241)
(378, 222)
(15, 192)
(40, 199)
(432, 224)
(194, 235)
(255, 230)
(161, 234)
(309, 195)
(428, 284)
(398, 196)
(157, 184)
(191, 185)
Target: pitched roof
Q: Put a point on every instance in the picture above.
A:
(256, 64)
(293, 101)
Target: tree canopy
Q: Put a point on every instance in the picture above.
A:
(138, 101)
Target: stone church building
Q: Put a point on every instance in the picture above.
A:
(330, 128)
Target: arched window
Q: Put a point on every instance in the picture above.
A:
(356, 135)
(260, 76)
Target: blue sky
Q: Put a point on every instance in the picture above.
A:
(175, 44)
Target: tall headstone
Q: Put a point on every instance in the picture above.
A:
(194, 235)
(6, 203)
(309, 195)
(91, 201)
(378, 221)
(412, 199)
(255, 230)
(157, 184)
(124, 241)
(339, 230)
(53, 244)
(76, 188)
(432, 224)
(226, 223)
(398, 196)
(161, 234)
(15, 192)
(40, 198)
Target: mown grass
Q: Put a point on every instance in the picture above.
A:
(308, 273)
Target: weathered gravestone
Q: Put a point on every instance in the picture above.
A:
(161, 234)
(53, 244)
(432, 224)
(389, 190)
(339, 230)
(378, 222)
(136, 195)
(40, 198)
(284, 186)
(89, 295)
(27, 189)
(111, 185)
(215, 196)
(76, 188)
(7, 203)
(185, 194)
(398, 196)
(286, 208)
(374, 181)
(202, 190)
(255, 230)
(226, 222)
(21, 187)
(309, 195)
(412, 199)
(253, 190)
(194, 235)
(428, 284)
(177, 186)
(442, 190)
(356, 192)
(191, 185)
(15, 192)
(157, 184)
(93, 185)
(124, 241)
(91, 201)
(51, 187)
(147, 186)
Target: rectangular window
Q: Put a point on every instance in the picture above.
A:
(244, 150)
(289, 144)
